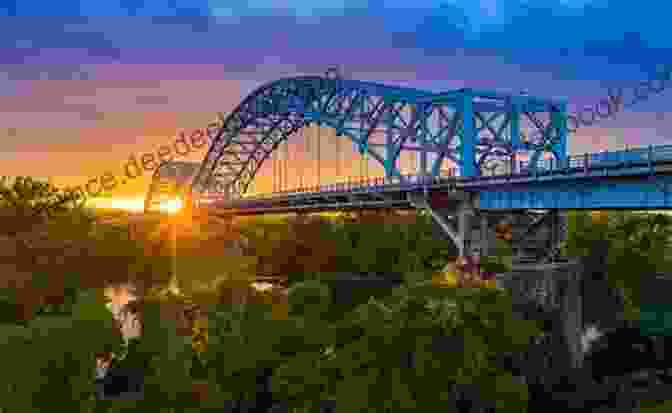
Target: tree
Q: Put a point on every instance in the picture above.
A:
(636, 247)
(48, 356)
(392, 244)
(54, 246)
(622, 253)
(26, 201)
(417, 349)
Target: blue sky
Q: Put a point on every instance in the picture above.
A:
(124, 74)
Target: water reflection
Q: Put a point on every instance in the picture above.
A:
(119, 296)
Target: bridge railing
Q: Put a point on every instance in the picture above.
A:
(366, 184)
(629, 157)
(642, 156)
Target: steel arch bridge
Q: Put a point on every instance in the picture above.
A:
(466, 127)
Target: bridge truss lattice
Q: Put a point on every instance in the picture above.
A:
(472, 129)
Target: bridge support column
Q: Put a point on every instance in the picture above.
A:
(465, 220)
(485, 244)
(447, 227)
(535, 236)
(462, 211)
(558, 231)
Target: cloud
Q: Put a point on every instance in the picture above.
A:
(516, 29)
(91, 114)
(8, 85)
(43, 72)
(152, 100)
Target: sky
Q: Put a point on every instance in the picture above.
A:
(84, 85)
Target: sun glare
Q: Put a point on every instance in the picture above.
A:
(171, 206)
(128, 204)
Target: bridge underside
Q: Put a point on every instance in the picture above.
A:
(535, 234)
(378, 195)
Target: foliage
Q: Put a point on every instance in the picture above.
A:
(637, 245)
(53, 246)
(583, 232)
(392, 244)
(203, 263)
(388, 244)
(259, 341)
(501, 260)
(470, 272)
(54, 260)
(415, 349)
(29, 201)
(49, 362)
(658, 408)
(309, 299)
(451, 336)
(57, 369)
(299, 241)
(311, 358)
(165, 353)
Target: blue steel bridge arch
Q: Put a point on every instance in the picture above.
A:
(465, 126)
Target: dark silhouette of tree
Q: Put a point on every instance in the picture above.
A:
(26, 201)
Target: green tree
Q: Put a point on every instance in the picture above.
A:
(388, 244)
(637, 246)
(391, 244)
(47, 363)
(411, 352)
(413, 349)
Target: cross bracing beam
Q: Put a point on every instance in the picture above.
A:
(466, 127)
